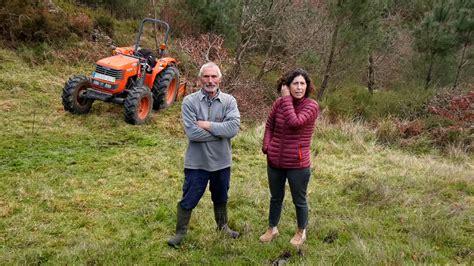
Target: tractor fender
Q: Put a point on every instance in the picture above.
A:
(161, 64)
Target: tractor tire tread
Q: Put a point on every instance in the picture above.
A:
(132, 104)
(160, 86)
(68, 97)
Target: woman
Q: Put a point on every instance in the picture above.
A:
(287, 144)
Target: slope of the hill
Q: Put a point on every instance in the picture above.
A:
(92, 189)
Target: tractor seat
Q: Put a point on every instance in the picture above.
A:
(148, 55)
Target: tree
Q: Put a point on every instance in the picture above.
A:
(354, 30)
(290, 30)
(156, 6)
(216, 16)
(434, 35)
(379, 36)
(273, 36)
(464, 25)
(250, 24)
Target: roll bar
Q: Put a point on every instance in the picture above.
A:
(140, 31)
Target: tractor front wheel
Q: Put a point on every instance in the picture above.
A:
(138, 105)
(165, 88)
(72, 98)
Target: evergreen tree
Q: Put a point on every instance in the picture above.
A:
(356, 34)
(464, 25)
(217, 16)
(435, 35)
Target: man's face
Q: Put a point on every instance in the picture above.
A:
(210, 79)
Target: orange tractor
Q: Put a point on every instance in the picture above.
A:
(132, 76)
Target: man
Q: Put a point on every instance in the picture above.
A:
(211, 118)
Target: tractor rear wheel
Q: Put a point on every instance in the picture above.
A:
(165, 88)
(72, 98)
(138, 105)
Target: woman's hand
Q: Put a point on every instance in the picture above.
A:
(285, 91)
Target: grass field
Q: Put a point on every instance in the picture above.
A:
(94, 190)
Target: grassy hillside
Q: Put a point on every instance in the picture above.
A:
(94, 190)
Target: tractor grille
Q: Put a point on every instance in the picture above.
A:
(117, 74)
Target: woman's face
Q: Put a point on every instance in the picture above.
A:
(298, 87)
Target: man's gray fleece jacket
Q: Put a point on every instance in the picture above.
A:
(210, 150)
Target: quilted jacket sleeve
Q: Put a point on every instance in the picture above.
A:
(308, 114)
(269, 126)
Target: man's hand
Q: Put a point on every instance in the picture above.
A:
(285, 91)
(206, 125)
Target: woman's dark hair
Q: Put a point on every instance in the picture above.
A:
(289, 76)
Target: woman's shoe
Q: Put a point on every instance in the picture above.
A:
(269, 235)
(299, 238)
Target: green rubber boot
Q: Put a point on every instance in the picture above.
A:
(181, 226)
(220, 213)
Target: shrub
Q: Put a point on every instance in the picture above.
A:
(454, 114)
(407, 103)
(357, 102)
(309, 61)
(43, 26)
(35, 54)
(444, 137)
(387, 131)
(433, 121)
(454, 106)
(348, 102)
(421, 144)
(81, 24)
(204, 48)
(105, 23)
(410, 129)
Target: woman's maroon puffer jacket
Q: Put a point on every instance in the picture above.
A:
(288, 132)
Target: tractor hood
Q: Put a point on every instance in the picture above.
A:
(120, 61)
